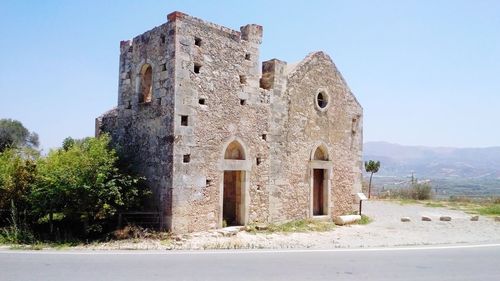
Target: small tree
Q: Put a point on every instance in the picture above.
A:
(14, 134)
(371, 167)
(17, 174)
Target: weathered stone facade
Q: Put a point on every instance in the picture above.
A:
(224, 140)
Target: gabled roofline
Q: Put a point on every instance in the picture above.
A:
(294, 67)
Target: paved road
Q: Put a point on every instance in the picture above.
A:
(456, 263)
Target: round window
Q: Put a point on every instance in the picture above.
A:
(322, 100)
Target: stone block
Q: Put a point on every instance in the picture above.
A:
(343, 220)
(425, 218)
(405, 219)
(445, 218)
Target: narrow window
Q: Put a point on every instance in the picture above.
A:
(146, 83)
(247, 56)
(197, 68)
(197, 41)
(209, 182)
(243, 102)
(184, 120)
(186, 158)
(201, 101)
(162, 39)
(264, 136)
(129, 104)
(164, 67)
(243, 79)
(258, 161)
(130, 49)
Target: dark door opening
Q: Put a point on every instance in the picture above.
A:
(231, 206)
(318, 192)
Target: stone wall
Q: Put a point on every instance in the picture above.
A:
(208, 91)
(142, 132)
(228, 83)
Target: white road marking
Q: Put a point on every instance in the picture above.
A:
(232, 252)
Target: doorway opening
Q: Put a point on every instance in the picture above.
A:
(319, 193)
(233, 207)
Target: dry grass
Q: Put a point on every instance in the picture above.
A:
(307, 225)
(483, 206)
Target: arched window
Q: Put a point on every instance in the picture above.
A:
(321, 153)
(234, 151)
(146, 83)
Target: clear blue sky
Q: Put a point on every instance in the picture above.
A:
(426, 72)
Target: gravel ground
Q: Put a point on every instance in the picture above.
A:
(385, 230)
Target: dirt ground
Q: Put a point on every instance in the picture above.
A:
(386, 230)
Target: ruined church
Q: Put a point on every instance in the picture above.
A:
(225, 140)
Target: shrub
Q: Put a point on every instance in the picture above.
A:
(17, 174)
(416, 191)
(18, 232)
(81, 183)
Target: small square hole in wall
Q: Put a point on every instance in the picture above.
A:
(197, 41)
(184, 120)
(186, 158)
(201, 101)
(130, 49)
(164, 67)
(243, 79)
(264, 136)
(209, 182)
(247, 56)
(258, 160)
(197, 68)
(243, 102)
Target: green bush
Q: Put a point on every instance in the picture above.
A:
(17, 174)
(77, 189)
(81, 182)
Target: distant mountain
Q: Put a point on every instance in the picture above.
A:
(434, 162)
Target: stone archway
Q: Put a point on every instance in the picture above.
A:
(234, 189)
(320, 171)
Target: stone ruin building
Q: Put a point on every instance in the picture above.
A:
(224, 140)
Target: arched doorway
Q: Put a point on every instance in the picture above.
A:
(234, 191)
(320, 184)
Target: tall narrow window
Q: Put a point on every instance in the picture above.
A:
(146, 83)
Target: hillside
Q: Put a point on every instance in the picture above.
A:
(435, 162)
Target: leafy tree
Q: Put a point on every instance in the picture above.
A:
(81, 182)
(17, 174)
(14, 134)
(371, 167)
